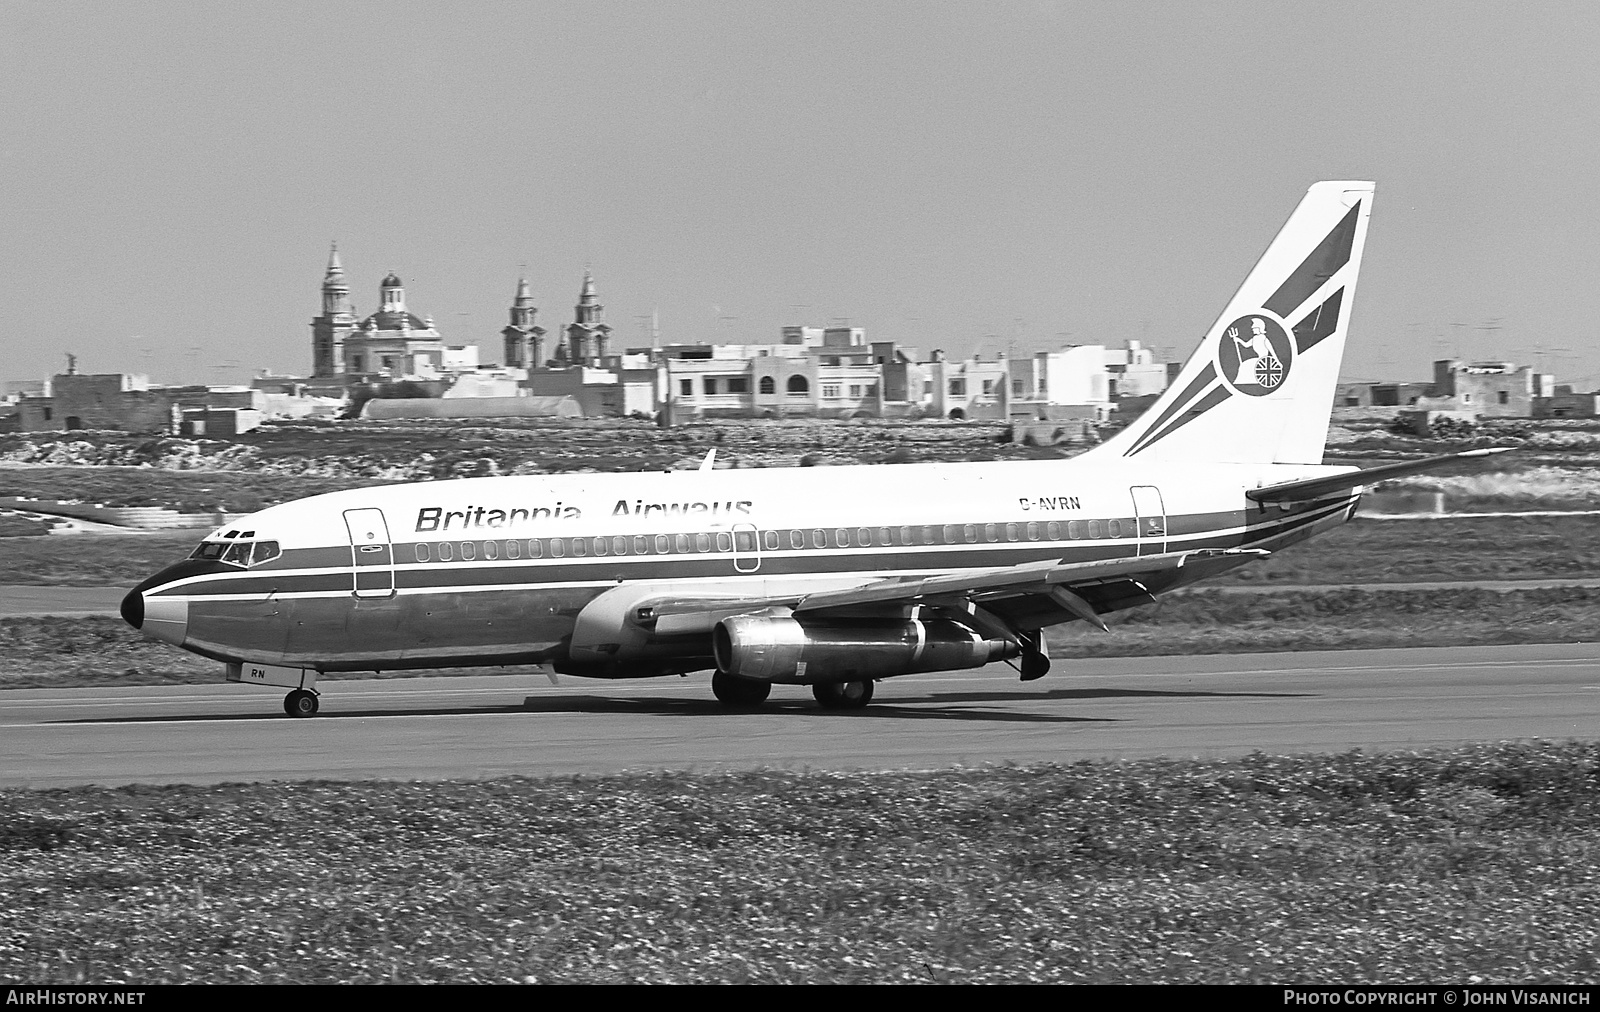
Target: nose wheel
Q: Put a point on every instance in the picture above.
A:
(300, 703)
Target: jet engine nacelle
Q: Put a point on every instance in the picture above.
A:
(807, 650)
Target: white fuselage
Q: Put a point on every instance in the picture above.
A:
(501, 570)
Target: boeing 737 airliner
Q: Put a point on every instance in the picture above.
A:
(828, 577)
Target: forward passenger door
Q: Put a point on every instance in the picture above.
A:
(371, 554)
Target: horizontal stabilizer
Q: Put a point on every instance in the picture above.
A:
(1315, 488)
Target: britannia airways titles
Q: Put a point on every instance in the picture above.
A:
(437, 518)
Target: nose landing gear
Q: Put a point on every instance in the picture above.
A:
(300, 703)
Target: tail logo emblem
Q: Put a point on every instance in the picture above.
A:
(1254, 354)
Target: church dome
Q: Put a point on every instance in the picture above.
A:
(392, 281)
(387, 320)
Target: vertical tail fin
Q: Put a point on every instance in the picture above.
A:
(1260, 387)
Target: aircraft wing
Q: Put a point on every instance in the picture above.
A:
(1083, 589)
(1040, 590)
(1313, 488)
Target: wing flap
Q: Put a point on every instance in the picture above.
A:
(1030, 578)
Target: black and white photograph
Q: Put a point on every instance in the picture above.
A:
(750, 492)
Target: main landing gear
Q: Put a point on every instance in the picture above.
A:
(731, 690)
(735, 692)
(300, 703)
(843, 695)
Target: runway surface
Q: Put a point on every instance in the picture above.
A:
(460, 728)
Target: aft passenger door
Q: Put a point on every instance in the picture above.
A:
(1150, 514)
(372, 556)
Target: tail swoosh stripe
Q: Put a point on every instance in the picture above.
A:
(1206, 403)
(1323, 263)
(1207, 375)
(1319, 323)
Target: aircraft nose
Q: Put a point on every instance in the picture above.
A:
(133, 609)
(158, 617)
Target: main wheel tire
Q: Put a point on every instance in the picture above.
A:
(300, 703)
(731, 690)
(843, 695)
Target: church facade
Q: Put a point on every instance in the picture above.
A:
(392, 342)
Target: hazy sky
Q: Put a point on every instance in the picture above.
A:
(948, 175)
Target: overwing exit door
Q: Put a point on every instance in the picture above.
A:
(746, 548)
(372, 556)
(1151, 517)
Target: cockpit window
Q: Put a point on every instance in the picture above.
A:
(235, 548)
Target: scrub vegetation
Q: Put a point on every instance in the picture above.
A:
(287, 461)
(1472, 865)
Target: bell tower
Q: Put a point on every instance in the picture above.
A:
(329, 330)
(524, 339)
(588, 338)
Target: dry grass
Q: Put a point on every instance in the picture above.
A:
(1474, 864)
